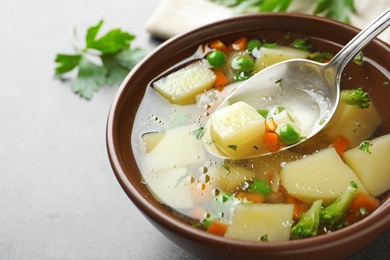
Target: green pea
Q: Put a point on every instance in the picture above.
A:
(217, 59)
(242, 75)
(243, 63)
(288, 135)
(261, 187)
(253, 44)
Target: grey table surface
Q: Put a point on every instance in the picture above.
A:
(59, 198)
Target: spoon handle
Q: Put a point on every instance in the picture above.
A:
(352, 48)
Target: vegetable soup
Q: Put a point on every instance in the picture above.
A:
(330, 181)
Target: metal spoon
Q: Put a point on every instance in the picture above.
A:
(309, 89)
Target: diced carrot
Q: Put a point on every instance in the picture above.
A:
(221, 81)
(359, 202)
(270, 125)
(299, 207)
(239, 44)
(217, 228)
(340, 144)
(272, 141)
(219, 45)
(254, 197)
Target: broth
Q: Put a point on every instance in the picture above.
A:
(190, 182)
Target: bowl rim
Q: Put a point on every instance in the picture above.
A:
(379, 220)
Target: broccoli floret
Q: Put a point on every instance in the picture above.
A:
(333, 215)
(356, 97)
(308, 223)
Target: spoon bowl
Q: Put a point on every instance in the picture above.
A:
(311, 90)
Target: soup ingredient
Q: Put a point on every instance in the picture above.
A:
(373, 168)
(242, 64)
(219, 45)
(221, 80)
(352, 122)
(323, 175)
(253, 45)
(174, 148)
(288, 134)
(254, 221)
(308, 223)
(239, 45)
(237, 129)
(260, 186)
(333, 216)
(340, 144)
(217, 59)
(268, 56)
(361, 206)
(170, 188)
(357, 97)
(182, 86)
(217, 228)
(113, 49)
(232, 179)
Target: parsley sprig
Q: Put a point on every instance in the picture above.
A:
(334, 9)
(103, 61)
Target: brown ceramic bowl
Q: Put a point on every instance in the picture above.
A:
(124, 108)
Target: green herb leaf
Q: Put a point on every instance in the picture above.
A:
(112, 49)
(226, 167)
(89, 79)
(233, 147)
(302, 44)
(365, 146)
(321, 56)
(66, 63)
(358, 59)
(112, 42)
(335, 9)
(199, 133)
(263, 112)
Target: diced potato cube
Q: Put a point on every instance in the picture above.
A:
(372, 166)
(257, 221)
(270, 56)
(231, 177)
(151, 140)
(237, 130)
(177, 148)
(354, 123)
(182, 86)
(323, 175)
(171, 188)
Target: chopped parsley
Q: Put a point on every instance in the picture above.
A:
(321, 56)
(233, 147)
(302, 44)
(226, 167)
(264, 238)
(365, 146)
(199, 133)
(359, 59)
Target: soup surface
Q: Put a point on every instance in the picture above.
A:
(328, 182)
